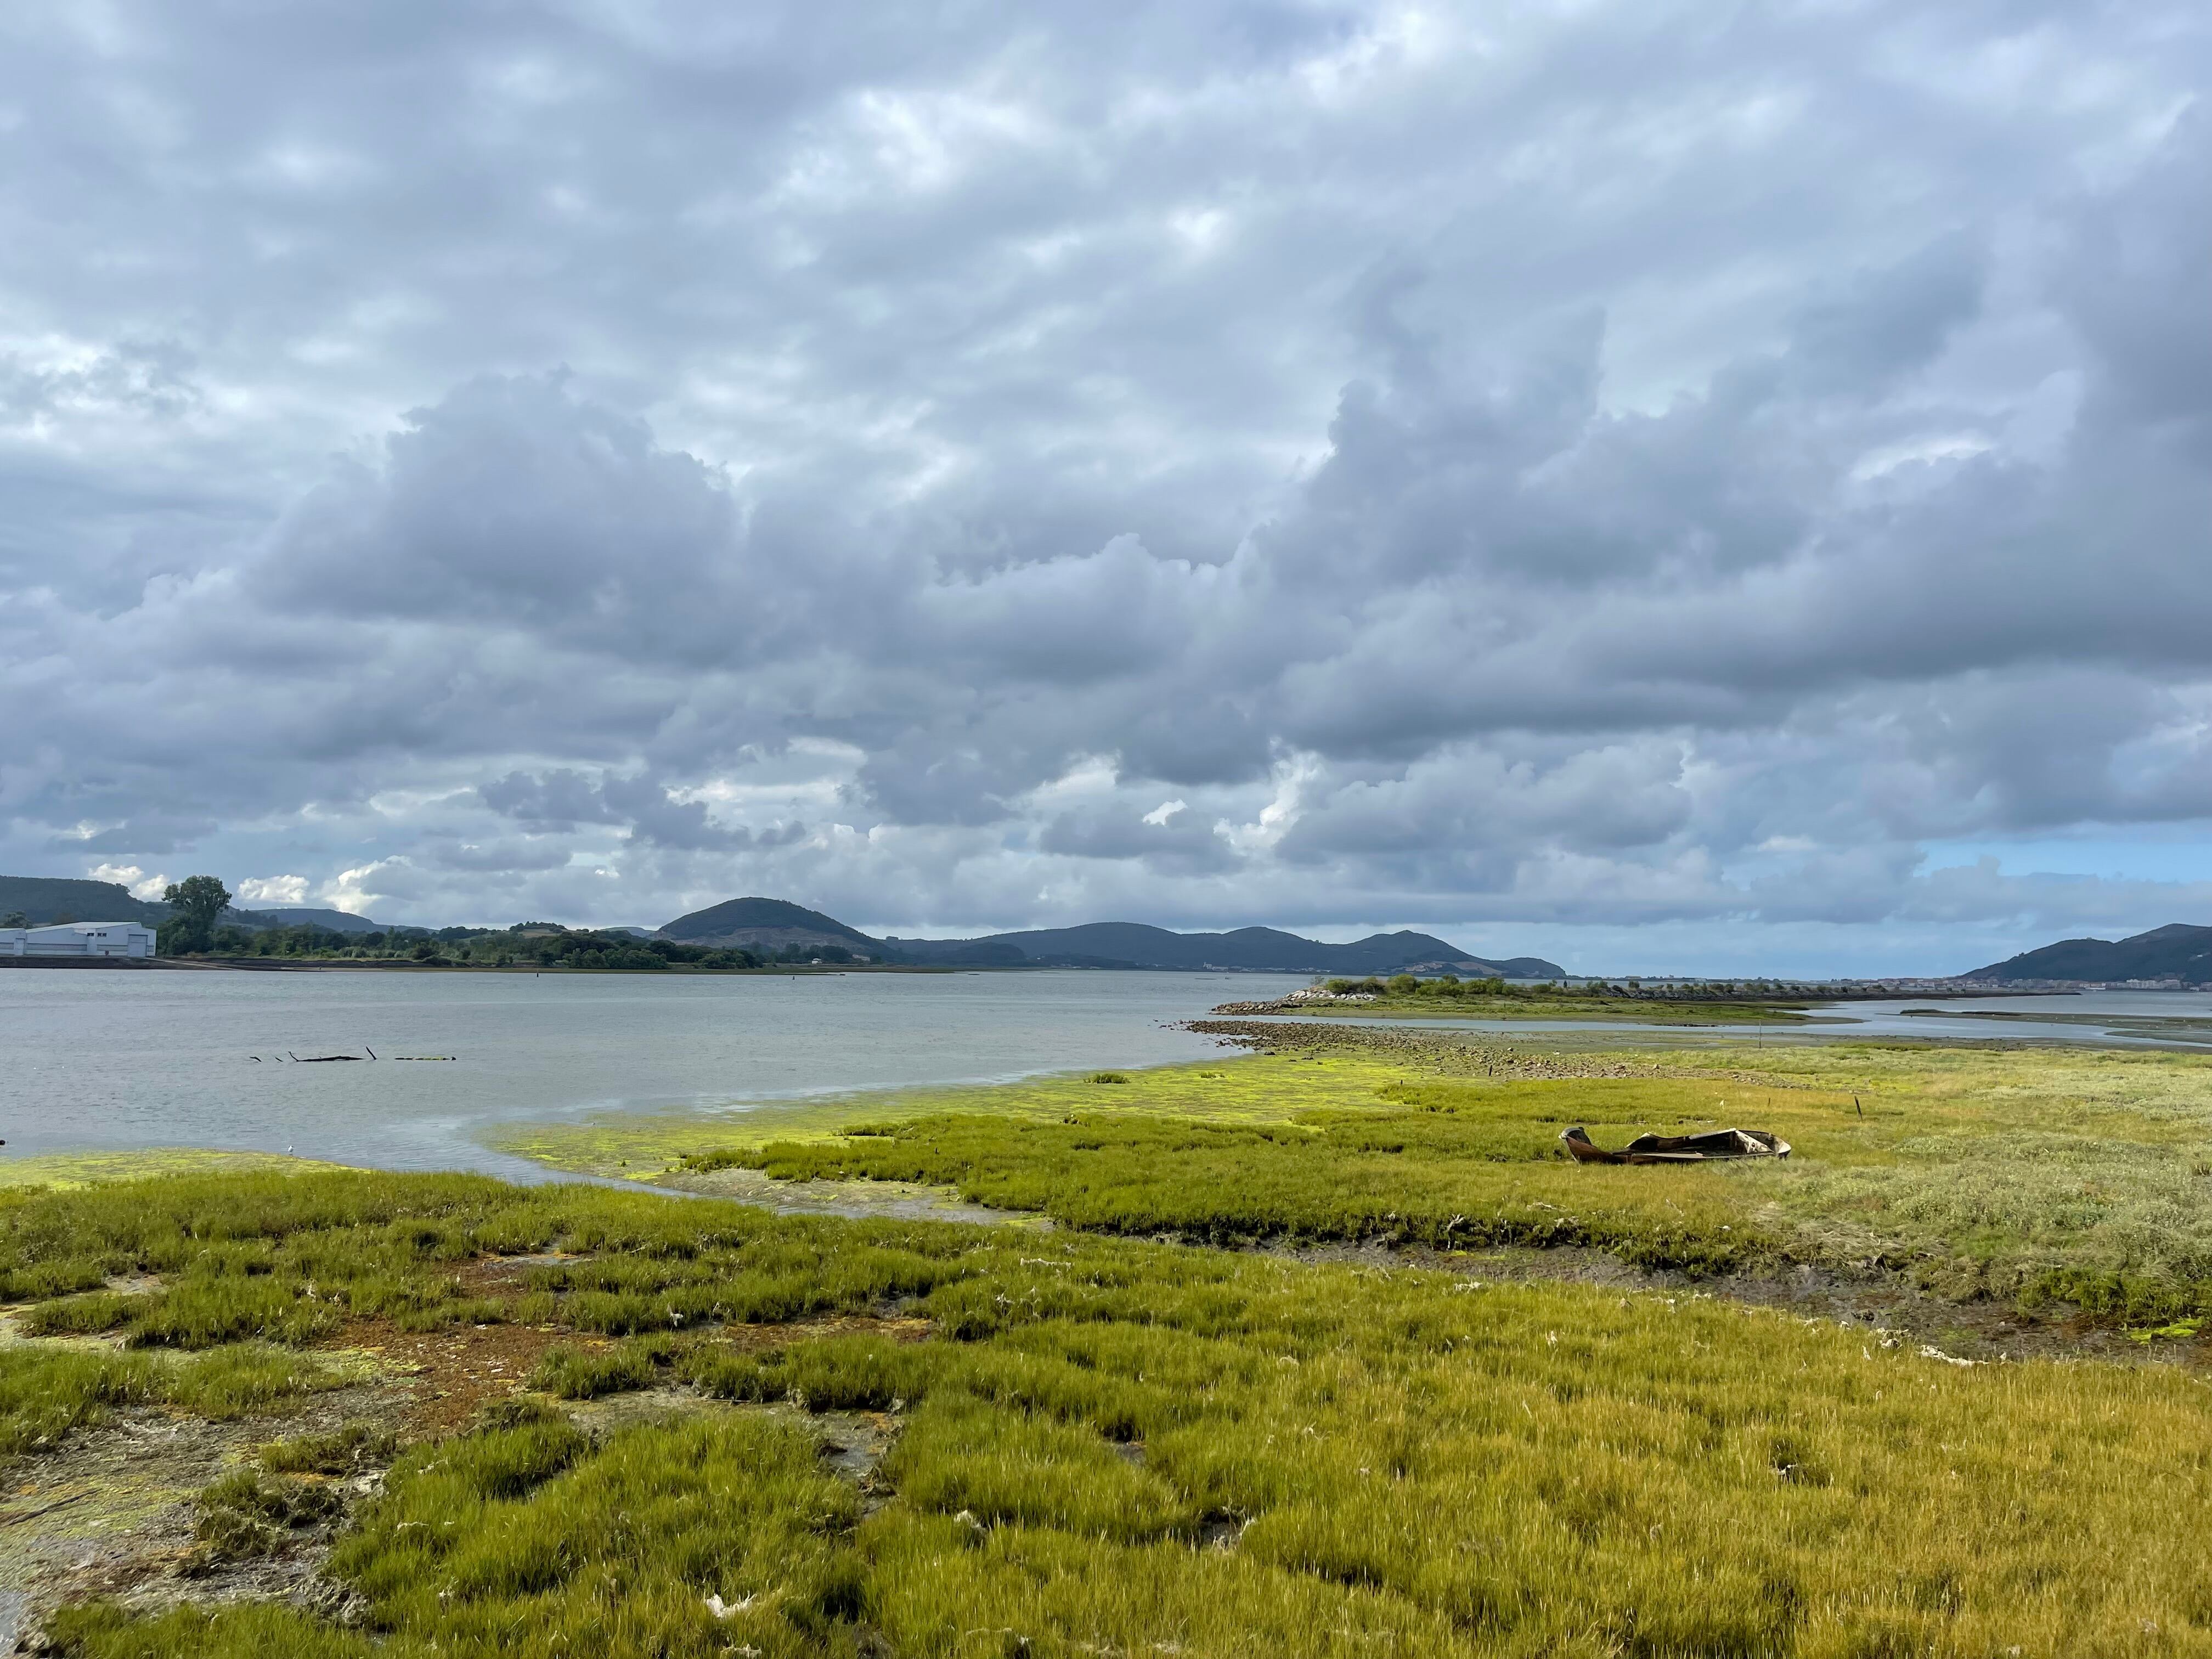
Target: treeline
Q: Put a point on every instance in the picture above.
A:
(529, 945)
(1449, 987)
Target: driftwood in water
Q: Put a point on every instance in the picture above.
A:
(1713, 1145)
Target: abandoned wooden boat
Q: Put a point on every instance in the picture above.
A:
(1707, 1147)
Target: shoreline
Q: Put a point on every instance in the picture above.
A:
(398, 965)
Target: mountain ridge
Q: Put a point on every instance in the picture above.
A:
(2176, 952)
(776, 925)
(756, 922)
(1251, 950)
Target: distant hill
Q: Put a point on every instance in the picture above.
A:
(1265, 950)
(756, 924)
(774, 924)
(2174, 951)
(43, 899)
(338, 922)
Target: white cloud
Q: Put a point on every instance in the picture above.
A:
(273, 890)
(141, 885)
(358, 888)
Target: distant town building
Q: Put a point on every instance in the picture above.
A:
(79, 938)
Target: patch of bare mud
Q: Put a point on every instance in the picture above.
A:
(446, 1374)
(109, 1513)
(12, 1333)
(450, 1372)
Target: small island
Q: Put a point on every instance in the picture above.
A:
(1448, 997)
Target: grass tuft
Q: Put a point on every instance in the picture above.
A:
(588, 1373)
(347, 1450)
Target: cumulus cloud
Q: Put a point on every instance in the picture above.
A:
(141, 884)
(1622, 483)
(273, 890)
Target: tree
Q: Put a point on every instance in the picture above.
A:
(14, 919)
(194, 904)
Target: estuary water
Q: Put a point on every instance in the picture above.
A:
(122, 1061)
(107, 1061)
(2115, 1019)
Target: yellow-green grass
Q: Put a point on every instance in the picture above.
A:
(80, 1168)
(1438, 1162)
(293, 1258)
(46, 1392)
(2032, 1172)
(2027, 1173)
(1252, 1089)
(1109, 1446)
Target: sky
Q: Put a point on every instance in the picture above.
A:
(1668, 487)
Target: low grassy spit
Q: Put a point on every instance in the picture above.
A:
(1241, 1089)
(1108, 1445)
(2032, 1174)
(1643, 1011)
(1300, 1067)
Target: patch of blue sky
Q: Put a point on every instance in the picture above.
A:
(2148, 854)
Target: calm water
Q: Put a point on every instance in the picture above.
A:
(2164, 1019)
(111, 1061)
(2122, 1018)
(108, 1061)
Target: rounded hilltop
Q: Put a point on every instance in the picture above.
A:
(766, 924)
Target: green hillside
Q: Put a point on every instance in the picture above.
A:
(43, 899)
(2174, 951)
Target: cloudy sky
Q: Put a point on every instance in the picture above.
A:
(1689, 486)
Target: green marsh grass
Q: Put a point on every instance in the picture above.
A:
(529, 1540)
(1111, 1445)
(290, 1258)
(346, 1450)
(1440, 1164)
(83, 1169)
(2031, 1174)
(249, 1514)
(1259, 1088)
(587, 1373)
(46, 1393)
(1115, 1446)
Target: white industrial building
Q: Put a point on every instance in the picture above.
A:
(79, 938)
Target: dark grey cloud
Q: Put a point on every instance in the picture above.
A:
(1572, 479)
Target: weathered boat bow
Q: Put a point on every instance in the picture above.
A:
(1711, 1146)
